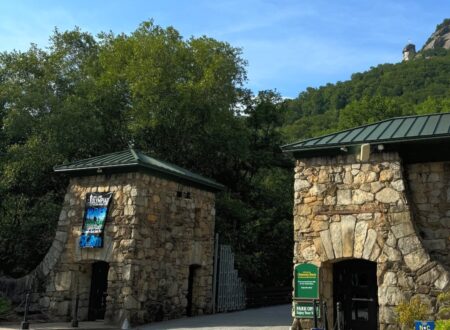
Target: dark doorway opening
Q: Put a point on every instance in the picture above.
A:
(193, 269)
(355, 287)
(99, 288)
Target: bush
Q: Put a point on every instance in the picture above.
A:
(407, 312)
(444, 306)
(5, 306)
(443, 325)
(443, 315)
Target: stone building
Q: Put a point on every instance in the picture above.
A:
(372, 211)
(157, 257)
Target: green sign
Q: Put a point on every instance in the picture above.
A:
(306, 281)
(304, 309)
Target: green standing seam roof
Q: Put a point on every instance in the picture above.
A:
(394, 130)
(132, 158)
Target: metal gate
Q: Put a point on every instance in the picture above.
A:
(229, 289)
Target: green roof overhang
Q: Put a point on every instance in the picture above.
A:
(131, 161)
(394, 134)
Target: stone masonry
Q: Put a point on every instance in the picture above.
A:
(380, 211)
(156, 229)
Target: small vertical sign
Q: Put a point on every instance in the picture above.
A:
(306, 281)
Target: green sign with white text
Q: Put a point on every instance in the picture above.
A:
(306, 281)
(304, 309)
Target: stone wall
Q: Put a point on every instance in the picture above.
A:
(429, 185)
(344, 209)
(156, 229)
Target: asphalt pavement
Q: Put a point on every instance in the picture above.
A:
(274, 318)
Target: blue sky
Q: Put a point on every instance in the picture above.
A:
(289, 44)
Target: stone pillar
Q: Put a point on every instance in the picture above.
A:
(344, 209)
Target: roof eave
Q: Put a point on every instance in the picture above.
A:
(85, 168)
(340, 145)
(210, 185)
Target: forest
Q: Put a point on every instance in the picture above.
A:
(182, 100)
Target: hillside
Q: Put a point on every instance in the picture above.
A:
(418, 86)
(440, 38)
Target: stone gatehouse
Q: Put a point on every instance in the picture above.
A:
(372, 211)
(157, 257)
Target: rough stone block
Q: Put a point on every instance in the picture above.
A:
(387, 195)
(347, 230)
(361, 197)
(402, 230)
(360, 237)
(63, 280)
(336, 238)
(417, 259)
(300, 185)
(326, 242)
(344, 197)
(409, 244)
(369, 243)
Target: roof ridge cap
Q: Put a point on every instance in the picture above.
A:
(134, 154)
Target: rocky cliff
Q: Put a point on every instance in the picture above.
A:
(437, 44)
(440, 38)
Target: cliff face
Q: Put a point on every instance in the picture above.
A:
(440, 38)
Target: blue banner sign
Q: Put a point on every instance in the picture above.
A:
(94, 220)
(424, 325)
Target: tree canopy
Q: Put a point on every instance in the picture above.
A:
(184, 101)
(177, 99)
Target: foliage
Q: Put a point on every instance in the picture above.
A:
(415, 87)
(444, 306)
(443, 325)
(181, 100)
(184, 101)
(5, 306)
(407, 312)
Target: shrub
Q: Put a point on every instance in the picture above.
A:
(5, 306)
(443, 325)
(407, 312)
(444, 308)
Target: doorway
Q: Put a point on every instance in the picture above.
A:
(355, 288)
(193, 269)
(99, 288)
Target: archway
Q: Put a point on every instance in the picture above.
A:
(355, 288)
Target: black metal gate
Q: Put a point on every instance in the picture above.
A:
(355, 287)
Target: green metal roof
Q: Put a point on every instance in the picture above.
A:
(395, 130)
(132, 159)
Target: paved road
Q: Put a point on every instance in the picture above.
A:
(274, 318)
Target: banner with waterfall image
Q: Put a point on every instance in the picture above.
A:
(95, 213)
